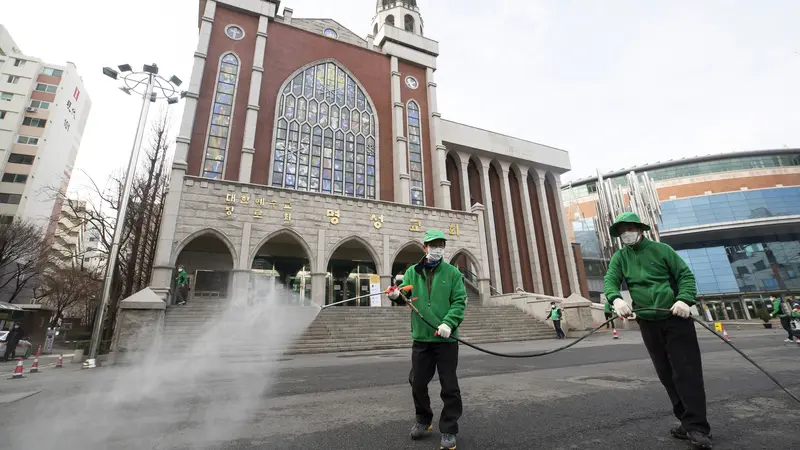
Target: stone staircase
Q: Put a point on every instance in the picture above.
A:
(342, 329)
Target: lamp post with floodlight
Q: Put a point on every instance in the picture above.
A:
(152, 87)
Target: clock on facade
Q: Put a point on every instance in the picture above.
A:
(412, 82)
(234, 32)
(330, 33)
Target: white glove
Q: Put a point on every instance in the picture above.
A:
(681, 309)
(394, 294)
(444, 331)
(622, 308)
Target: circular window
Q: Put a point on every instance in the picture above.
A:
(234, 32)
(412, 82)
(330, 33)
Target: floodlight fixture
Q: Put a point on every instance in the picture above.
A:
(172, 100)
(151, 68)
(125, 68)
(109, 72)
(175, 80)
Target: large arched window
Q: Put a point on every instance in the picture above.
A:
(221, 114)
(326, 139)
(415, 154)
(390, 19)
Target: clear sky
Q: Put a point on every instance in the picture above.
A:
(614, 82)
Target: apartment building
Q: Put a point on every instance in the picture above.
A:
(43, 112)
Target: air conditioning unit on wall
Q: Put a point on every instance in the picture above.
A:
(31, 110)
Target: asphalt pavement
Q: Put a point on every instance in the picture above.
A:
(602, 393)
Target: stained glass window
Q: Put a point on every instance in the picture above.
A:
(415, 154)
(221, 113)
(325, 139)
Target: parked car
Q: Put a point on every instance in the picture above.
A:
(24, 346)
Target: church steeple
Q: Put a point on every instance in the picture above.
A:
(403, 14)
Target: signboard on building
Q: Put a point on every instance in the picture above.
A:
(375, 290)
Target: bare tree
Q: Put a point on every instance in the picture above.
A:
(24, 253)
(68, 289)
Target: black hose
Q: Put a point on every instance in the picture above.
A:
(564, 347)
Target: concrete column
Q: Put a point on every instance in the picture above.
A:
(465, 197)
(491, 242)
(318, 288)
(550, 243)
(402, 184)
(530, 231)
(484, 282)
(386, 281)
(569, 257)
(248, 143)
(511, 227)
(161, 279)
(441, 189)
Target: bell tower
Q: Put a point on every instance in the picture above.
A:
(403, 14)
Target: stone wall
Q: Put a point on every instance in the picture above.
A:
(246, 216)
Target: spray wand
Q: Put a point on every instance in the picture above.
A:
(564, 347)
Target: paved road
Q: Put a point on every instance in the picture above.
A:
(597, 395)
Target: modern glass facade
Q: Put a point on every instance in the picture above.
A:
(718, 208)
(691, 169)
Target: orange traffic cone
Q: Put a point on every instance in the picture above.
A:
(18, 371)
(60, 362)
(725, 335)
(35, 366)
(616, 336)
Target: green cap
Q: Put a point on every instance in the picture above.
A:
(627, 217)
(432, 235)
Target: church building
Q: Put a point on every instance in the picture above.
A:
(316, 157)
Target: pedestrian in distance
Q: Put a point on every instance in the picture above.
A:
(555, 315)
(12, 339)
(608, 311)
(182, 285)
(438, 291)
(778, 311)
(658, 278)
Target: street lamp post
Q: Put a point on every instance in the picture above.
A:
(151, 87)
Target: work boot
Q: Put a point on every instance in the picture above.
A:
(679, 433)
(419, 430)
(448, 441)
(699, 439)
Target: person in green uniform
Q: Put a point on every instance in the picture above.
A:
(555, 315)
(777, 311)
(440, 295)
(608, 311)
(658, 278)
(182, 285)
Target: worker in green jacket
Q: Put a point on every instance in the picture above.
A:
(778, 311)
(554, 314)
(182, 285)
(658, 278)
(438, 292)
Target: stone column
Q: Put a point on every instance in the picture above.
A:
(484, 282)
(138, 328)
(441, 191)
(465, 195)
(511, 227)
(161, 279)
(491, 242)
(547, 228)
(318, 281)
(386, 281)
(402, 186)
(248, 144)
(530, 231)
(569, 257)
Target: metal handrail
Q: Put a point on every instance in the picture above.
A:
(473, 277)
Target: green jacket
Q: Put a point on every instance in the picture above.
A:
(440, 299)
(656, 276)
(182, 278)
(555, 313)
(607, 307)
(777, 308)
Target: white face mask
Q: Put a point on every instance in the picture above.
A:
(630, 237)
(435, 254)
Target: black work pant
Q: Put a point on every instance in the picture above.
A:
(786, 323)
(608, 316)
(10, 347)
(559, 332)
(427, 358)
(673, 347)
